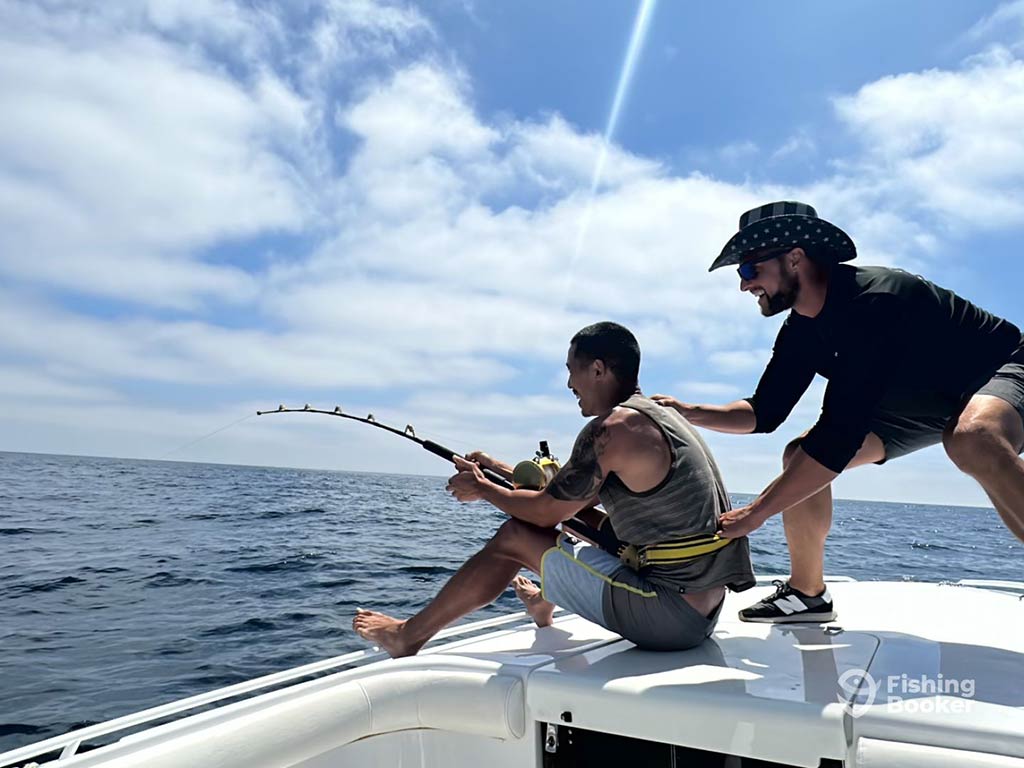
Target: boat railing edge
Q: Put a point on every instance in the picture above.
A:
(998, 585)
(767, 578)
(70, 742)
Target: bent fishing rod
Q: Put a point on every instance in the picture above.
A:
(408, 433)
(602, 536)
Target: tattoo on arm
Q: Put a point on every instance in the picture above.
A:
(582, 477)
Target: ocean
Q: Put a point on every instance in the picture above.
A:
(127, 584)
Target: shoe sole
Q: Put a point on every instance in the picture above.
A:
(800, 618)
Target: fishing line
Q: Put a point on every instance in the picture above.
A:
(603, 536)
(200, 439)
(408, 433)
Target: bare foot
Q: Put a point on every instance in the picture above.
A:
(540, 610)
(385, 632)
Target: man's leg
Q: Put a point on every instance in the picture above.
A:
(984, 442)
(804, 598)
(807, 524)
(477, 583)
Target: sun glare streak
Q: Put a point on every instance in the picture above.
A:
(636, 44)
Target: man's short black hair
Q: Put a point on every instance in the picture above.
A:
(615, 345)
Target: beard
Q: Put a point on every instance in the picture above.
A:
(782, 299)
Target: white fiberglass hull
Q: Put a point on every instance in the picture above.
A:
(522, 696)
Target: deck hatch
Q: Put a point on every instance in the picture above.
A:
(579, 748)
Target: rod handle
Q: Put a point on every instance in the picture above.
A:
(439, 450)
(449, 455)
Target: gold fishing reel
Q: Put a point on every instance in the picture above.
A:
(534, 474)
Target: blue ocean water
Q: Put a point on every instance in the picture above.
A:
(126, 584)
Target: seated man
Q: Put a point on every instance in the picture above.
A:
(663, 495)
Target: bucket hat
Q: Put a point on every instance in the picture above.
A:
(776, 225)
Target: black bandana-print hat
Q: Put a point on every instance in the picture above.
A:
(777, 225)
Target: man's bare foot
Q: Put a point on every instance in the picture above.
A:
(540, 610)
(385, 632)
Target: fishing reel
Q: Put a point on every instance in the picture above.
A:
(534, 474)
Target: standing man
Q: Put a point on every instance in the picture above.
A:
(663, 495)
(909, 364)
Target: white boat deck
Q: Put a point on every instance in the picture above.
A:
(757, 685)
(787, 694)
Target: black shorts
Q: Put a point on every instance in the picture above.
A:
(921, 423)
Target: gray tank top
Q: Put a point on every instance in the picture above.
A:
(688, 501)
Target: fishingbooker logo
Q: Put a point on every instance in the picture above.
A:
(859, 690)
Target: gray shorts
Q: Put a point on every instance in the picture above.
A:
(601, 588)
(910, 429)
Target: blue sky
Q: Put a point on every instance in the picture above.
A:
(210, 207)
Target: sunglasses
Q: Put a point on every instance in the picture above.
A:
(748, 269)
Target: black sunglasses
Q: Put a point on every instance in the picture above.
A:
(748, 269)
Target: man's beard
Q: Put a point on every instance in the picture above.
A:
(784, 298)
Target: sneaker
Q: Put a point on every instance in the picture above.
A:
(788, 605)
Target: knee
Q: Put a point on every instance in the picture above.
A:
(790, 451)
(975, 447)
(509, 537)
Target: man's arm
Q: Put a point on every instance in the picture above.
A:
(736, 418)
(583, 475)
(860, 378)
(784, 381)
(802, 478)
(572, 489)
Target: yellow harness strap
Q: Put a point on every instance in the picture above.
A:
(672, 552)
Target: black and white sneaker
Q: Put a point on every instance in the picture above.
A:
(788, 605)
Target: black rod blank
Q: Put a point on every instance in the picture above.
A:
(605, 539)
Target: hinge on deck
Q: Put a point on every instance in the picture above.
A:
(551, 738)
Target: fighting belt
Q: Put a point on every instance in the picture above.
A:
(672, 552)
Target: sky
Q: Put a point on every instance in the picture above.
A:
(210, 207)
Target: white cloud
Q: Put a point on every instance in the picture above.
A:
(138, 138)
(23, 383)
(116, 164)
(355, 30)
(555, 154)
(945, 141)
(1006, 21)
(801, 145)
(738, 151)
(421, 111)
(740, 360)
(714, 391)
(873, 214)
(191, 352)
(128, 146)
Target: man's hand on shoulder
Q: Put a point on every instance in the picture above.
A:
(736, 418)
(667, 401)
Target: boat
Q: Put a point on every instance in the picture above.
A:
(911, 674)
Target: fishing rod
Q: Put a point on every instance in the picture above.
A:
(535, 476)
(408, 433)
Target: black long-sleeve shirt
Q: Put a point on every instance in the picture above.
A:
(886, 340)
